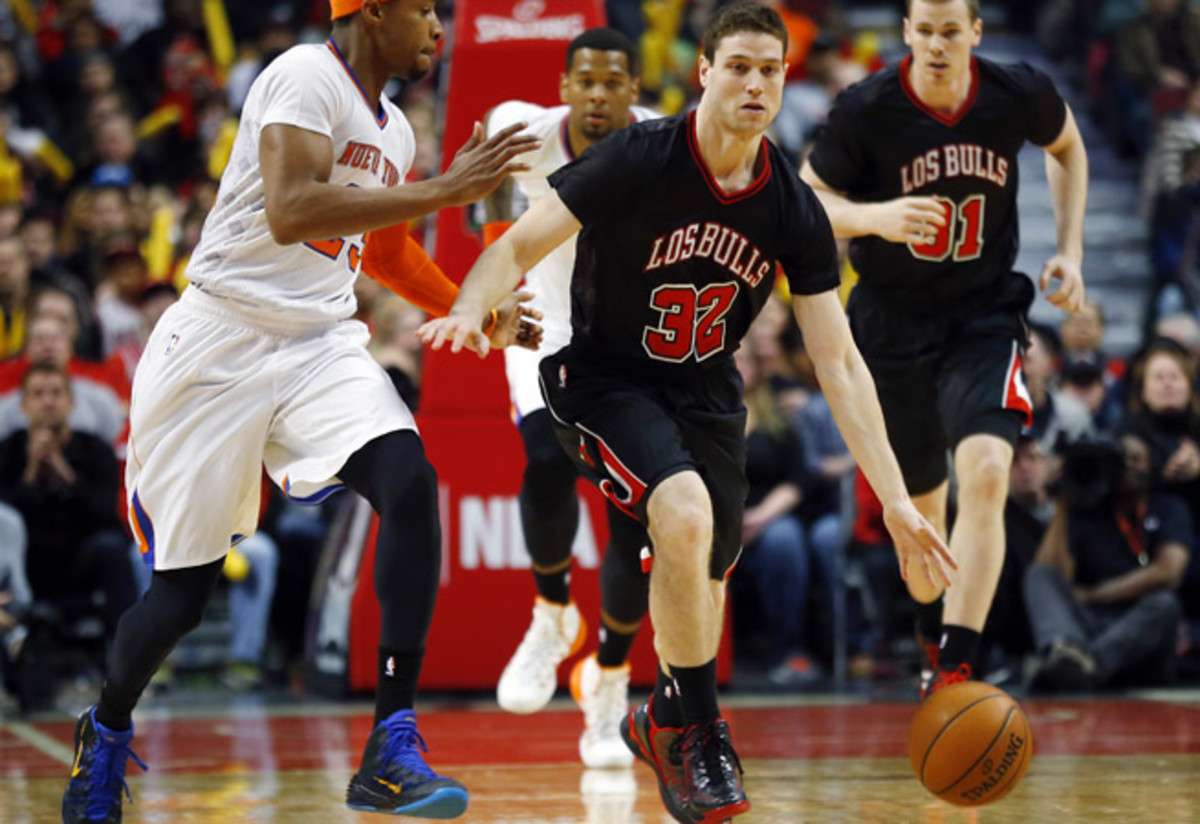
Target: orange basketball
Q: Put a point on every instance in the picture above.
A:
(970, 743)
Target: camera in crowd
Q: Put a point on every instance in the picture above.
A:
(1091, 470)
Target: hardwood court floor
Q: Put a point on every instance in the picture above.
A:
(833, 760)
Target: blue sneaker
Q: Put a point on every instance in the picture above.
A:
(98, 775)
(395, 779)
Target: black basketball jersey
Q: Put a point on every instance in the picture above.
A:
(882, 143)
(669, 269)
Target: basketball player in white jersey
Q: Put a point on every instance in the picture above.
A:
(260, 363)
(598, 90)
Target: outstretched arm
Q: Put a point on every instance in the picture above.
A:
(547, 225)
(1067, 174)
(302, 204)
(850, 390)
(903, 220)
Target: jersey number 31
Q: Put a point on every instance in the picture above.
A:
(963, 232)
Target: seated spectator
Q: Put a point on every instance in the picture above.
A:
(1053, 412)
(118, 295)
(152, 301)
(1183, 328)
(775, 553)
(1157, 59)
(1083, 381)
(97, 409)
(1101, 591)
(251, 568)
(64, 484)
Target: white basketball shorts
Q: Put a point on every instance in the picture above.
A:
(214, 399)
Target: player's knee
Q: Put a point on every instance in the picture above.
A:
(392, 471)
(549, 473)
(680, 518)
(986, 479)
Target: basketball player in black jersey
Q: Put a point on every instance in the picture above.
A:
(918, 164)
(681, 224)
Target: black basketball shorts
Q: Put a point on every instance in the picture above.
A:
(942, 378)
(627, 437)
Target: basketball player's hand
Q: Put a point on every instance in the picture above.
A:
(481, 164)
(459, 329)
(915, 220)
(919, 548)
(1070, 292)
(516, 323)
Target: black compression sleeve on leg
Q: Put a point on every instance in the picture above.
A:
(549, 505)
(393, 474)
(624, 588)
(171, 607)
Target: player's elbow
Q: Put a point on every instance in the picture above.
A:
(285, 230)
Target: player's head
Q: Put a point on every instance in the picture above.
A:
(742, 69)
(403, 33)
(941, 34)
(600, 83)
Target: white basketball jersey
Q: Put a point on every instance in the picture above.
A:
(237, 260)
(550, 279)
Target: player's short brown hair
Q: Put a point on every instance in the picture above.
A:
(972, 7)
(741, 17)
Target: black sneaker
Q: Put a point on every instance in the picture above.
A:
(712, 773)
(395, 779)
(98, 775)
(661, 749)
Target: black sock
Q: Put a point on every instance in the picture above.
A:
(665, 707)
(614, 646)
(554, 586)
(959, 646)
(929, 620)
(397, 688)
(698, 692)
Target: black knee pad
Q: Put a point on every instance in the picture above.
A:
(624, 587)
(549, 474)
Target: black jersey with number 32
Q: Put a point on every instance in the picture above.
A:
(882, 143)
(669, 269)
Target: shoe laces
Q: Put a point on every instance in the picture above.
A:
(107, 774)
(956, 676)
(399, 753)
(716, 753)
(542, 648)
(608, 704)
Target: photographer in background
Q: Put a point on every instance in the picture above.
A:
(1101, 591)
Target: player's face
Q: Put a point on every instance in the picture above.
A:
(745, 80)
(941, 36)
(412, 30)
(599, 90)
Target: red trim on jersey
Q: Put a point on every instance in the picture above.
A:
(375, 108)
(941, 117)
(755, 186)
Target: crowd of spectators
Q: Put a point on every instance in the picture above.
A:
(116, 120)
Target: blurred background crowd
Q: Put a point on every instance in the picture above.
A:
(116, 120)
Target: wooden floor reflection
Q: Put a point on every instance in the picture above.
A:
(1099, 761)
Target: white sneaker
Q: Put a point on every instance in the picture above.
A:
(527, 683)
(603, 695)
(608, 795)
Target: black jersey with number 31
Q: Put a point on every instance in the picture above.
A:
(669, 269)
(882, 143)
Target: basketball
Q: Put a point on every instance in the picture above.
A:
(970, 743)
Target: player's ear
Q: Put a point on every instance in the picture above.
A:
(907, 33)
(704, 68)
(635, 87)
(977, 31)
(563, 83)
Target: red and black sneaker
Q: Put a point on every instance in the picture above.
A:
(662, 749)
(713, 773)
(944, 678)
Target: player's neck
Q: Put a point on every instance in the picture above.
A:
(731, 158)
(357, 53)
(579, 143)
(947, 97)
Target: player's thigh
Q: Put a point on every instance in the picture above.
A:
(198, 421)
(333, 400)
(982, 391)
(620, 438)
